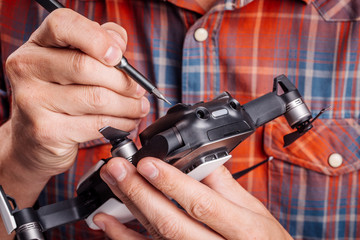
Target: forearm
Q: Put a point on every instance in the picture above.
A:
(18, 180)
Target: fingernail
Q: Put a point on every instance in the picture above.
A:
(148, 170)
(107, 178)
(140, 91)
(113, 55)
(100, 224)
(145, 105)
(117, 170)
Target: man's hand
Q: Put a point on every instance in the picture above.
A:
(65, 88)
(216, 208)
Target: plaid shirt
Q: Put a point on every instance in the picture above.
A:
(314, 42)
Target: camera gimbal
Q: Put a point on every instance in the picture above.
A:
(194, 138)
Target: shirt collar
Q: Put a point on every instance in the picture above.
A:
(307, 1)
(242, 3)
(192, 5)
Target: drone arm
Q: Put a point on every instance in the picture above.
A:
(265, 108)
(64, 212)
(285, 100)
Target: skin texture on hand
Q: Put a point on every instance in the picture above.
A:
(64, 89)
(227, 210)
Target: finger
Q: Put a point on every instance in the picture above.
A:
(106, 176)
(70, 66)
(223, 183)
(82, 100)
(116, 31)
(52, 127)
(169, 221)
(201, 202)
(114, 229)
(64, 27)
(129, 204)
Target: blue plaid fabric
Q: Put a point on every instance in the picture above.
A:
(314, 42)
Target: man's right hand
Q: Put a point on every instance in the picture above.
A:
(64, 88)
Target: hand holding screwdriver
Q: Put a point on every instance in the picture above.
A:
(63, 91)
(51, 5)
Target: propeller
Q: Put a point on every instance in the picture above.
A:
(301, 129)
(114, 135)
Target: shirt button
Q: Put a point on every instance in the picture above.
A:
(201, 34)
(335, 160)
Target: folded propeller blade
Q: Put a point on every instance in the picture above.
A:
(113, 134)
(304, 128)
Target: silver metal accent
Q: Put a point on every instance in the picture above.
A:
(158, 94)
(293, 104)
(30, 231)
(7, 217)
(297, 112)
(122, 64)
(126, 150)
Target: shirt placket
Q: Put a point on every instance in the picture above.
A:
(200, 64)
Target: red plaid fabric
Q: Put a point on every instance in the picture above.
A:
(314, 42)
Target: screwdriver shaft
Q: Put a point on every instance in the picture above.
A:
(140, 79)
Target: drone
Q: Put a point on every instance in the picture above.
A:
(196, 139)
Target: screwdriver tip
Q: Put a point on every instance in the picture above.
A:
(167, 101)
(158, 94)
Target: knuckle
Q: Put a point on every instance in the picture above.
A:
(79, 63)
(169, 227)
(132, 109)
(124, 124)
(101, 121)
(203, 207)
(165, 185)
(134, 192)
(128, 124)
(59, 15)
(16, 65)
(52, 23)
(12, 64)
(129, 85)
(95, 98)
(21, 99)
(24, 98)
(97, 37)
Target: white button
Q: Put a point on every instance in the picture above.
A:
(219, 113)
(201, 34)
(335, 160)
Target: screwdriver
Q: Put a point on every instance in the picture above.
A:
(140, 79)
(124, 65)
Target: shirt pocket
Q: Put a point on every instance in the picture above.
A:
(316, 149)
(335, 10)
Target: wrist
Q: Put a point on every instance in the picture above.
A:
(19, 180)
